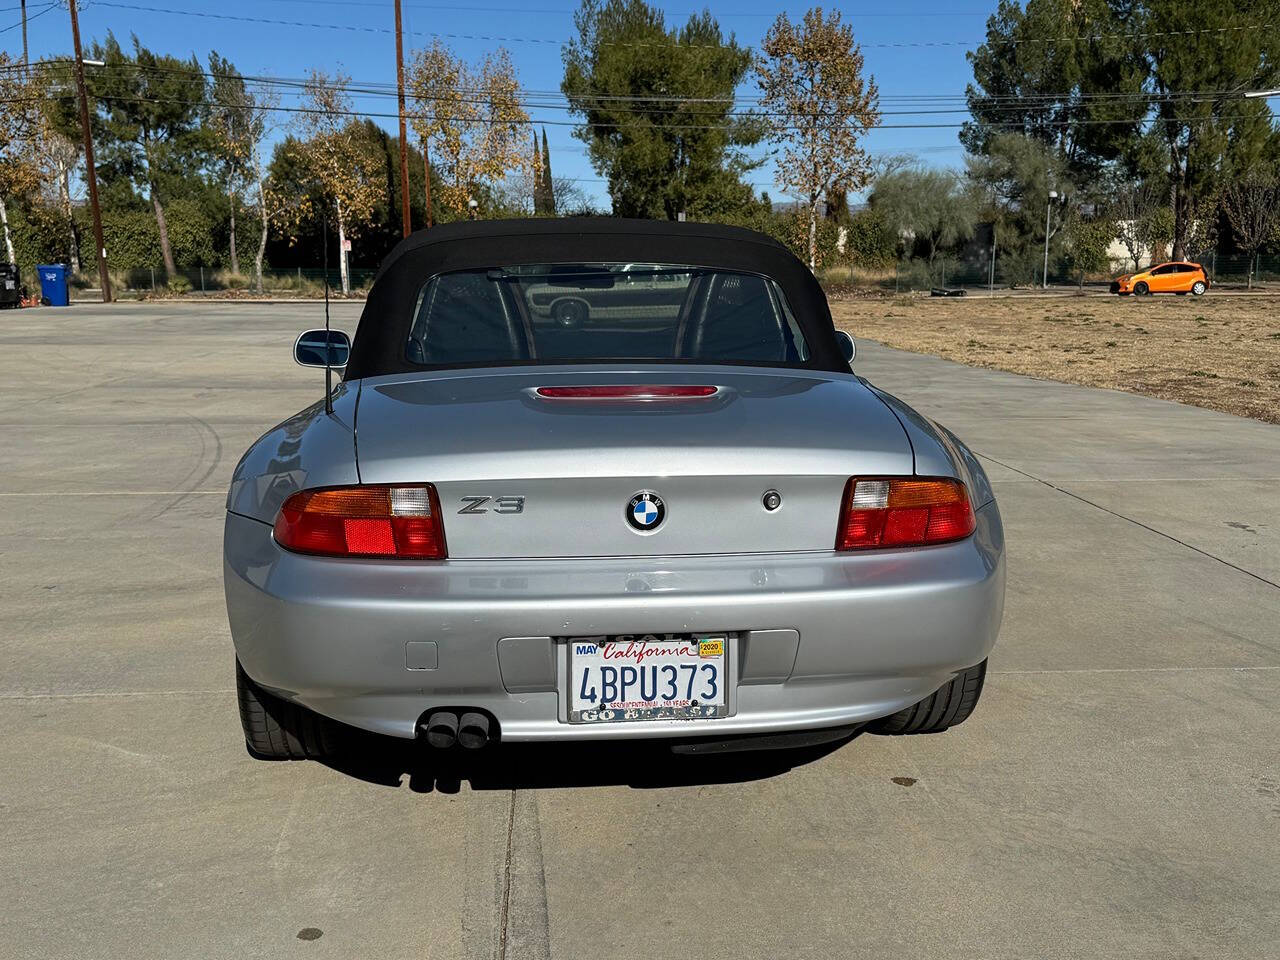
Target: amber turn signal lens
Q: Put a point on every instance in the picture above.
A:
(903, 512)
(367, 521)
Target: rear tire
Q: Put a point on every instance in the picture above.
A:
(1141, 289)
(947, 707)
(1198, 288)
(276, 729)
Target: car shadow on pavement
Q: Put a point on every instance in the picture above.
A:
(390, 762)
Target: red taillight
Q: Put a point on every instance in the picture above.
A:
(900, 512)
(626, 391)
(373, 521)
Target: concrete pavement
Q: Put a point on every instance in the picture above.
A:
(1116, 794)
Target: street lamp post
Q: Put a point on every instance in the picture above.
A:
(1048, 212)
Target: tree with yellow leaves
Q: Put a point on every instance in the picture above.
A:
(341, 172)
(469, 117)
(817, 106)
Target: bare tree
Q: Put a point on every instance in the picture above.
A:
(518, 192)
(1253, 208)
(1133, 207)
(59, 156)
(817, 105)
(888, 164)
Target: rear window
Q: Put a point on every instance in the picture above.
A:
(556, 313)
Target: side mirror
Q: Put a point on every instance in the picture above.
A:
(846, 345)
(310, 348)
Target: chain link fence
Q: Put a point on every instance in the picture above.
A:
(905, 276)
(207, 281)
(951, 274)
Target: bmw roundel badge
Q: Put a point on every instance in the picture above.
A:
(646, 511)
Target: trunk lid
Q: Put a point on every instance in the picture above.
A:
(520, 475)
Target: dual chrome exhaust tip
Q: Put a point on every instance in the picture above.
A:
(444, 728)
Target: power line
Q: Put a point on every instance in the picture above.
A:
(378, 88)
(569, 11)
(39, 13)
(575, 123)
(354, 28)
(538, 101)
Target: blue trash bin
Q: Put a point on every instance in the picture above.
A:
(53, 284)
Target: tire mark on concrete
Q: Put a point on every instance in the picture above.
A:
(195, 485)
(69, 393)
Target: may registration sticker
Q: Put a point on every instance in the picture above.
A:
(647, 677)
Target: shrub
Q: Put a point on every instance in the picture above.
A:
(914, 275)
(792, 228)
(39, 235)
(789, 227)
(178, 284)
(232, 281)
(870, 240)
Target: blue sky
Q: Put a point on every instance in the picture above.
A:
(356, 38)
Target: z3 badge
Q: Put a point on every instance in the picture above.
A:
(492, 505)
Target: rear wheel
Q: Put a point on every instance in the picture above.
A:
(947, 707)
(1141, 289)
(1198, 288)
(275, 729)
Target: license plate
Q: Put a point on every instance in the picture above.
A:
(648, 677)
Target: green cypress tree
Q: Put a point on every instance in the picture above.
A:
(538, 198)
(548, 186)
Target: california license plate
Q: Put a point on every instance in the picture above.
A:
(648, 677)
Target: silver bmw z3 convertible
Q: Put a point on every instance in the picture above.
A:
(589, 479)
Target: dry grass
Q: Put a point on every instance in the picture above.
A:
(1221, 352)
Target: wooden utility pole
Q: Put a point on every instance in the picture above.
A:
(91, 172)
(404, 139)
(25, 59)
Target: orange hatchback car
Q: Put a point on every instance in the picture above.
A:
(1179, 277)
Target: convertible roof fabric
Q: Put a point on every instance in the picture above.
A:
(379, 346)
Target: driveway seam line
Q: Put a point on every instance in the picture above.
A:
(1097, 670)
(1138, 523)
(116, 694)
(504, 915)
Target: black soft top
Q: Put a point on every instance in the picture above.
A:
(379, 346)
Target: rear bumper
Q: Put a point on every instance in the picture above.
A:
(821, 639)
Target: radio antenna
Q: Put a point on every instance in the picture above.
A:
(328, 346)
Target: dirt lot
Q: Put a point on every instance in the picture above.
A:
(1221, 352)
